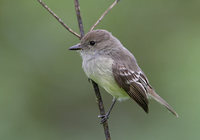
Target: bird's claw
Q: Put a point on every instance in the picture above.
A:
(104, 118)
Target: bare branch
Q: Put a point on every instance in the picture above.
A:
(101, 109)
(78, 14)
(95, 86)
(104, 14)
(58, 19)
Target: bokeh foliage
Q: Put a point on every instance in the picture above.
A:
(44, 93)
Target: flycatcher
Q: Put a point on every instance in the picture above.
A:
(107, 62)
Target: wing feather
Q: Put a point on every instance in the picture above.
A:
(133, 83)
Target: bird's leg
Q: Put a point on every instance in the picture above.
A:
(106, 116)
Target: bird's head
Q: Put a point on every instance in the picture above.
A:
(95, 40)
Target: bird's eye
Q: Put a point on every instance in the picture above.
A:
(92, 43)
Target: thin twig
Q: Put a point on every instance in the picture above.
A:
(78, 14)
(58, 19)
(96, 88)
(104, 14)
(101, 109)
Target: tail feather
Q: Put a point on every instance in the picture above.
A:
(155, 96)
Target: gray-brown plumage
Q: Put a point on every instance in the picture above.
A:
(132, 83)
(112, 66)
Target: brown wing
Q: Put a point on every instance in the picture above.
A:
(134, 83)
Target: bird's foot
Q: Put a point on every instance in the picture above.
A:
(104, 118)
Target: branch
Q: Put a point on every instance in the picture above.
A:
(78, 14)
(58, 19)
(101, 109)
(104, 14)
(95, 86)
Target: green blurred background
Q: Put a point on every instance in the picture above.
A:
(44, 93)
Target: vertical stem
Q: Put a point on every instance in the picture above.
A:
(101, 109)
(78, 14)
(95, 86)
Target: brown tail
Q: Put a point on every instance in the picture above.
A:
(155, 96)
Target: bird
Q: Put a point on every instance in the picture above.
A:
(112, 66)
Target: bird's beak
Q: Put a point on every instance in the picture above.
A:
(76, 47)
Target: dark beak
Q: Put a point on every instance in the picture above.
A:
(75, 47)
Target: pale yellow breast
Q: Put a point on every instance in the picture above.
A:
(99, 69)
